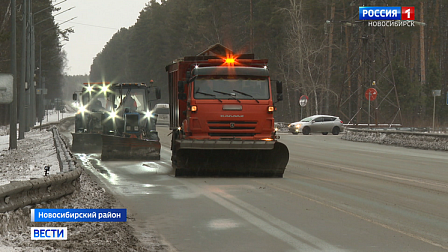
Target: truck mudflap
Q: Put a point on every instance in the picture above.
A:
(123, 148)
(230, 158)
(86, 142)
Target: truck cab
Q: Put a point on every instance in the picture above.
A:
(91, 107)
(222, 116)
(229, 103)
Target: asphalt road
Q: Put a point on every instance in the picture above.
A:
(335, 196)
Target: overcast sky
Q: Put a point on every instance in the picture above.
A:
(95, 23)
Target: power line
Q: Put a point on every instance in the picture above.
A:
(104, 27)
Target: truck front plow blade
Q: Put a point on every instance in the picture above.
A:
(86, 142)
(121, 148)
(248, 161)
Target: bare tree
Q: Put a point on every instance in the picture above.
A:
(305, 60)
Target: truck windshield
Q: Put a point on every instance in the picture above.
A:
(133, 99)
(241, 88)
(94, 100)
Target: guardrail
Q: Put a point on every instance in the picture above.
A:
(66, 162)
(18, 194)
(414, 139)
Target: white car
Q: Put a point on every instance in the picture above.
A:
(163, 114)
(317, 124)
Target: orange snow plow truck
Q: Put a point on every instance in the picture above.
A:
(222, 116)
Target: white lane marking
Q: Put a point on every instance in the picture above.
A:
(284, 225)
(379, 174)
(305, 242)
(361, 217)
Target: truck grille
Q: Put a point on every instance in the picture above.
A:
(230, 125)
(232, 134)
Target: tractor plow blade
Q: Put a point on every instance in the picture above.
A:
(244, 162)
(86, 142)
(121, 148)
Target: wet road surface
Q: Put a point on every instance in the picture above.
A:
(335, 196)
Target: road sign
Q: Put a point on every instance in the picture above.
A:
(436, 92)
(303, 100)
(6, 88)
(371, 94)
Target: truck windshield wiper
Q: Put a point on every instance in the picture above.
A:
(227, 94)
(199, 92)
(239, 92)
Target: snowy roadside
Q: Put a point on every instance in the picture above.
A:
(29, 159)
(34, 152)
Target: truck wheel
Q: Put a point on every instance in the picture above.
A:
(324, 133)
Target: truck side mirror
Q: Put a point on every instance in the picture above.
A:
(158, 93)
(180, 86)
(279, 87)
(182, 96)
(75, 97)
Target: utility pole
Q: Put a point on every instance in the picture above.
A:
(251, 28)
(29, 70)
(330, 54)
(13, 106)
(32, 74)
(422, 47)
(22, 110)
(41, 110)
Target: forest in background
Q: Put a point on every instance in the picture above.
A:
(48, 45)
(316, 48)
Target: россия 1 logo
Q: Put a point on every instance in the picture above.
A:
(387, 16)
